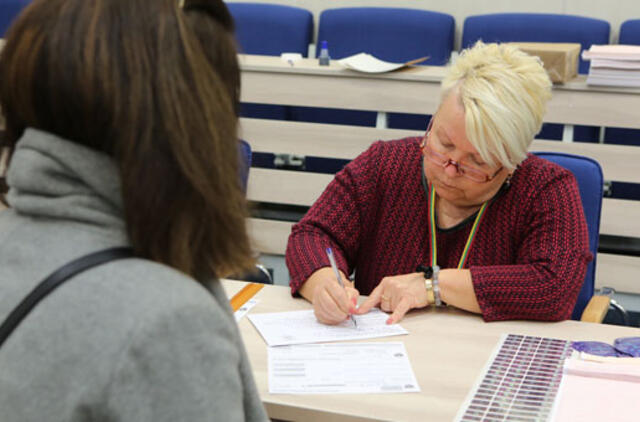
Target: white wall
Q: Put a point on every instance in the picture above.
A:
(613, 11)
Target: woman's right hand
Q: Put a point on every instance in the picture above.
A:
(332, 303)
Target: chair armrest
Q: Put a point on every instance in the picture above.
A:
(596, 309)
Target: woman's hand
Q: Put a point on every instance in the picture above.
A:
(332, 303)
(397, 294)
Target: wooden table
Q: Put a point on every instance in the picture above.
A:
(448, 349)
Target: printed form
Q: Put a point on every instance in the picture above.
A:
(356, 368)
(301, 327)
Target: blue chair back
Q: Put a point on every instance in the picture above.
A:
(588, 174)
(270, 29)
(244, 150)
(536, 27)
(629, 34)
(9, 9)
(391, 34)
(540, 27)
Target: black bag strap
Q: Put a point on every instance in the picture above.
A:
(54, 280)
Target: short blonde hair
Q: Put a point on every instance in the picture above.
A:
(504, 92)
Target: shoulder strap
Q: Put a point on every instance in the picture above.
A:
(54, 280)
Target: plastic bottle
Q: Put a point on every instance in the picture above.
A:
(324, 59)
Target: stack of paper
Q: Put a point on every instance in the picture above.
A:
(599, 389)
(614, 65)
(298, 367)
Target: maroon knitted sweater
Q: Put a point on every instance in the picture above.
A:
(528, 260)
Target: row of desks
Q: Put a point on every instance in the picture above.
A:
(448, 349)
(269, 80)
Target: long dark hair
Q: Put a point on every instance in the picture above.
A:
(154, 84)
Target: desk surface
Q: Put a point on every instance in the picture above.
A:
(448, 349)
(259, 63)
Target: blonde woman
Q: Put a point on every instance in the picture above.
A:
(462, 216)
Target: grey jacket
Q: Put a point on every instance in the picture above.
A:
(131, 340)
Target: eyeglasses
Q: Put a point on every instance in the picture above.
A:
(443, 161)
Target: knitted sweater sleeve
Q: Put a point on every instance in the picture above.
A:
(335, 220)
(551, 261)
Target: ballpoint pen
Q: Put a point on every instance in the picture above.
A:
(332, 260)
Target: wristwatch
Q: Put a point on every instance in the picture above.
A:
(427, 272)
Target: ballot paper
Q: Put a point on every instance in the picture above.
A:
(301, 327)
(242, 311)
(363, 62)
(341, 369)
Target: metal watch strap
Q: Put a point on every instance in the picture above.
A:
(436, 286)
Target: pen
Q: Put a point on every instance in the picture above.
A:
(332, 260)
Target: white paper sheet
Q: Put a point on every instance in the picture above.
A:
(301, 327)
(363, 62)
(341, 369)
(242, 311)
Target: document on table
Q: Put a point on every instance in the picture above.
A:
(341, 368)
(301, 327)
(242, 311)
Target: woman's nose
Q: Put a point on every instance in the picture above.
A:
(451, 168)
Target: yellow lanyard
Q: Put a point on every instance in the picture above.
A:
(432, 225)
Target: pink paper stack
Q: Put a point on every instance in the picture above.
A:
(613, 65)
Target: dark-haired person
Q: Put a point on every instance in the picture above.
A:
(120, 117)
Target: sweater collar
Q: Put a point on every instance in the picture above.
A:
(52, 177)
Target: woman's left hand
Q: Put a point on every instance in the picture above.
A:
(397, 294)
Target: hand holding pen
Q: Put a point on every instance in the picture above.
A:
(334, 266)
(332, 304)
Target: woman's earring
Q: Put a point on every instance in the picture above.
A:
(508, 181)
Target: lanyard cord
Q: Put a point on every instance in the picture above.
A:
(432, 226)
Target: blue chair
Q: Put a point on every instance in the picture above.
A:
(391, 34)
(588, 174)
(245, 163)
(270, 29)
(535, 27)
(260, 274)
(629, 34)
(9, 9)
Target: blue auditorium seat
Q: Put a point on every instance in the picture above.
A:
(9, 9)
(538, 27)
(270, 29)
(391, 34)
(629, 34)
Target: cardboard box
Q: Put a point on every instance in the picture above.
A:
(560, 59)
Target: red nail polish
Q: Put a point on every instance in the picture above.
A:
(354, 301)
(389, 321)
